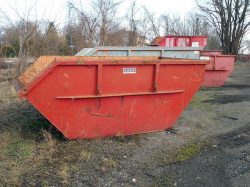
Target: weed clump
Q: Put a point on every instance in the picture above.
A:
(85, 155)
(64, 174)
(108, 164)
(187, 152)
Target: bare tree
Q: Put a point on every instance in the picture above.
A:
(132, 41)
(96, 21)
(107, 9)
(166, 20)
(230, 19)
(18, 36)
(27, 36)
(143, 30)
(84, 27)
(154, 23)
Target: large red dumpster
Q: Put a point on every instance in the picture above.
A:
(90, 97)
(181, 41)
(218, 69)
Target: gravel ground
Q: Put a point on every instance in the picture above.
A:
(209, 146)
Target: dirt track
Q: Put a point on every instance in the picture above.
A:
(209, 146)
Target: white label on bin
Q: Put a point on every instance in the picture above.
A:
(129, 70)
(195, 44)
(204, 58)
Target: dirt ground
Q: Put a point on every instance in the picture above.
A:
(209, 145)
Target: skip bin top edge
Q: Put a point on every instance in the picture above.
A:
(45, 64)
(219, 55)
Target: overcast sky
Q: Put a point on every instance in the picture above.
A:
(56, 10)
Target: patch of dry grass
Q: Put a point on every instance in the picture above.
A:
(182, 153)
(16, 156)
(108, 164)
(85, 155)
(64, 173)
(20, 156)
(48, 147)
(7, 74)
(197, 101)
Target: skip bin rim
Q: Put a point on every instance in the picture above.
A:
(135, 49)
(219, 55)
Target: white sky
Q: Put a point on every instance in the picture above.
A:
(56, 10)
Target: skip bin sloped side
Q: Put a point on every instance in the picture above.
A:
(89, 98)
(218, 70)
(215, 78)
(224, 62)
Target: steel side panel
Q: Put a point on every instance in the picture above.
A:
(122, 115)
(218, 69)
(224, 63)
(182, 41)
(171, 52)
(215, 78)
(221, 62)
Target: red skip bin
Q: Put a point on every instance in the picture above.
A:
(219, 68)
(91, 97)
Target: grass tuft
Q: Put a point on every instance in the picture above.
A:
(187, 152)
(48, 147)
(108, 164)
(181, 154)
(164, 181)
(85, 155)
(64, 174)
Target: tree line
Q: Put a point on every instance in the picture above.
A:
(225, 22)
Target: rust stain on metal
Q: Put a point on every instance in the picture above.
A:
(98, 114)
(80, 62)
(156, 41)
(122, 101)
(98, 104)
(156, 87)
(119, 134)
(35, 69)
